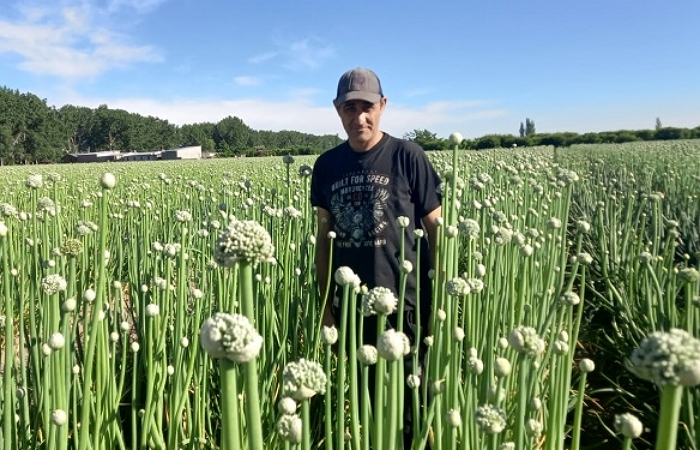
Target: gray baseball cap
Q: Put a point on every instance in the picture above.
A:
(359, 84)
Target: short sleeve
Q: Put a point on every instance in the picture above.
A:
(424, 184)
(317, 185)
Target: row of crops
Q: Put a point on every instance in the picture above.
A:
(174, 305)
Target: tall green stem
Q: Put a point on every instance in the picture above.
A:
(250, 369)
(668, 417)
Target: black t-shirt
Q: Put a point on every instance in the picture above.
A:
(365, 193)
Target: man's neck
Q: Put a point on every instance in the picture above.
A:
(366, 146)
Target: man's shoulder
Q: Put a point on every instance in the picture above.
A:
(335, 152)
(404, 145)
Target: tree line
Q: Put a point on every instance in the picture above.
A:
(430, 141)
(33, 132)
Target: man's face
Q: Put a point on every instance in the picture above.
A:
(361, 122)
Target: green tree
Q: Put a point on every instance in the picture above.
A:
(522, 130)
(529, 127)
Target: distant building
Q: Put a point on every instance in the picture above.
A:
(140, 156)
(90, 157)
(193, 152)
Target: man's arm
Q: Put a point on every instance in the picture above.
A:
(322, 260)
(431, 228)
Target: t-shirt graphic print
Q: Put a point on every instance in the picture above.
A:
(358, 205)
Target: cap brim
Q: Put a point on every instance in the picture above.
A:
(358, 95)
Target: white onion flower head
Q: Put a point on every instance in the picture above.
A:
(475, 285)
(69, 305)
(490, 419)
(54, 283)
(586, 365)
(344, 275)
(441, 315)
(554, 223)
(533, 427)
(456, 138)
(502, 367)
(56, 341)
(667, 358)
(303, 379)
(59, 417)
(287, 405)
(244, 240)
(108, 181)
(458, 334)
(584, 258)
(289, 428)
(569, 298)
(509, 445)
(230, 336)
(560, 348)
(183, 216)
(413, 381)
(329, 335)
(379, 300)
(583, 226)
(689, 275)
(453, 418)
(475, 365)
(458, 287)
(628, 425)
(34, 181)
(403, 221)
(470, 227)
(393, 345)
(526, 250)
(152, 310)
(526, 340)
(406, 266)
(367, 355)
(3, 230)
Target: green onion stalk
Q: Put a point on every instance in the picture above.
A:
(88, 426)
(671, 360)
(328, 395)
(342, 363)
(586, 366)
(250, 369)
(8, 413)
(379, 389)
(354, 382)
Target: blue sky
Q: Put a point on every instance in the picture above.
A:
(477, 66)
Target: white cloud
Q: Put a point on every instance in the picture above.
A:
(65, 43)
(307, 53)
(262, 57)
(140, 6)
(300, 114)
(247, 81)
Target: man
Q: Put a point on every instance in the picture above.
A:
(360, 189)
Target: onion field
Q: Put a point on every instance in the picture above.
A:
(174, 305)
